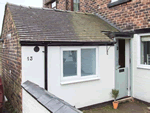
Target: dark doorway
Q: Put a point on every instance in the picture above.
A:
(122, 53)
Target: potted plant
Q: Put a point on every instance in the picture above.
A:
(115, 94)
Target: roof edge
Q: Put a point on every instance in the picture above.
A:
(32, 88)
(109, 22)
(64, 43)
(49, 1)
(57, 10)
(4, 19)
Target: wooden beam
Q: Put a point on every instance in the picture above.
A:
(126, 99)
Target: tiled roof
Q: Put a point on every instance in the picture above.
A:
(48, 100)
(35, 24)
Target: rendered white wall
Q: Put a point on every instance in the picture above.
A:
(84, 93)
(141, 77)
(30, 105)
(33, 70)
(127, 63)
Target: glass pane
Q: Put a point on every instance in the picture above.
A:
(88, 62)
(145, 52)
(75, 7)
(69, 63)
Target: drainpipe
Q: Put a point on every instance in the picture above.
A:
(45, 65)
(66, 5)
(71, 5)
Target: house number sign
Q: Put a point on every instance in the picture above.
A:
(30, 58)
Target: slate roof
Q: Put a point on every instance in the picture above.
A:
(48, 100)
(37, 24)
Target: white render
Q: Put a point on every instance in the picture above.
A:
(30, 105)
(127, 61)
(141, 73)
(33, 70)
(82, 93)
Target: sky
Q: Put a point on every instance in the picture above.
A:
(35, 3)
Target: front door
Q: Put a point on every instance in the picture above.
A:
(121, 74)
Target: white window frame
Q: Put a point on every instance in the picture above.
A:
(114, 1)
(78, 78)
(54, 3)
(138, 37)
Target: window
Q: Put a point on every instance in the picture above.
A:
(76, 5)
(145, 50)
(54, 5)
(114, 0)
(88, 62)
(79, 63)
(69, 63)
(117, 2)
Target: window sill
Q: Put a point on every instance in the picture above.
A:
(143, 66)
(77, 81)
(117, 3)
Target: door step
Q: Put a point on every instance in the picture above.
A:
(130, 99)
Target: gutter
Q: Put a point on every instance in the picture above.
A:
(62, 43)
(66, 4)
(112, 35)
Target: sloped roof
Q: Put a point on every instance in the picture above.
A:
(35, 24)
(48, 100)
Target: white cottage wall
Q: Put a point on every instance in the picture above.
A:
(33, 65)
(31, 105)
(127, 61)
(141, 73)
(83, 93)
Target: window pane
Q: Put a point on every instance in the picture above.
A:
(145, 52)
(76, 5)
(69, 63)
(88, 62)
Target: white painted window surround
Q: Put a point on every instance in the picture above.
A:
(79, 77)
(54, 5)
(114, 1)
(139, 65)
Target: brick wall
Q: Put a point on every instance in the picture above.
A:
(11, 63)
(61, 4)
(128, 16)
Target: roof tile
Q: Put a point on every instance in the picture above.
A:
(53, 25)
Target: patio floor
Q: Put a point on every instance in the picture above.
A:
(126, 107)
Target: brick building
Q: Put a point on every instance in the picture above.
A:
(11, 61)
(30, 34)
(126, 14)
(115, 33)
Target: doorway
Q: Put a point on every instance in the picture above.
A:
(122, 67)
(121, 44)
